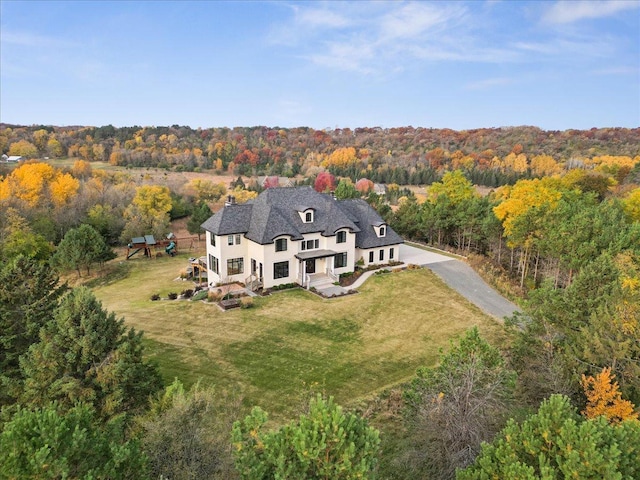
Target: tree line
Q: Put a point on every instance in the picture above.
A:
(404, 155)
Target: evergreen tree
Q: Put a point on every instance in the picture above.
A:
(46, 444)
(82, 247)
(85, 354)
(29, 293)
(325, 443)
(556, 442)
(201, 214)
(346, 189)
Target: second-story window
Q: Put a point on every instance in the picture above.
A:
(308, 217)
(310, 244)
(341, 237)
(281, 245)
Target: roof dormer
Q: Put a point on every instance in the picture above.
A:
(307, 214)
(380, 229)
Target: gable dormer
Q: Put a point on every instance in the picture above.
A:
(307, 214)
(380, 229)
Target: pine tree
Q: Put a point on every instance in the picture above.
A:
(85, 354)
(29, 293)
(46, 444)
(325, 443)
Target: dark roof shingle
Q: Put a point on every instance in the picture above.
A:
(275, 212)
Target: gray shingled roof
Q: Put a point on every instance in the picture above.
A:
(274, 213)
(367, 217)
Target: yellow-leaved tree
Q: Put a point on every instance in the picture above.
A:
(631, 205)
(37, 183)
(342, 157)
(604, 398)
(148, 212)
(63, 188)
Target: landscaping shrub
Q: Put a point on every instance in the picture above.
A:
(201, 295)
(246, 302)
(213, 296)
(155, 297)
(188, 293)
(172, 296)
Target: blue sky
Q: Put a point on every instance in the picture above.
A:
(459, 65)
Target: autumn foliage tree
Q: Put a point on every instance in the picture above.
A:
(148, 212)
(604, 398)
(325, 182)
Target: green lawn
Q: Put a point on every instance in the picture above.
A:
(293, 341)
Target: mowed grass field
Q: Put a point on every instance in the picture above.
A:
(293, 341)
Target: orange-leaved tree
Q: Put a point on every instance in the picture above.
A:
(604, 398)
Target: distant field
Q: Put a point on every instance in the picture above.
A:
(351, 347)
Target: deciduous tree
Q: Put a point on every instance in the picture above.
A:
(186, 434)
(325, 182)
(457, 405)
(604, 398)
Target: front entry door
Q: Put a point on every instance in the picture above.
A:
(310, 266)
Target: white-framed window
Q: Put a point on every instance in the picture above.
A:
(341, 237)
(340, 260)
(213, 264)
(370, 257)
(235, 266)
(280, 270)
(213, 240)
(308, 217)
(281, 245)
(381, 255)
(234, 239)
(310, 244)
(382, 231)
(230, 239)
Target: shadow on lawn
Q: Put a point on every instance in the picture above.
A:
(110, 274)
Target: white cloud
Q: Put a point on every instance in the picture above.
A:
(26, 39)
(573, 11)
(381, 38)
(416, 19)
(317, 18)
(488, 83)
(618, 71)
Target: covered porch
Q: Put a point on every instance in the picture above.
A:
(315, 268)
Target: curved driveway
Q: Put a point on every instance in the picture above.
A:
(462, 278)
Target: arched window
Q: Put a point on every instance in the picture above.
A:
(309, 217)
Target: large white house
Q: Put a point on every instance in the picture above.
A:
(295, 235)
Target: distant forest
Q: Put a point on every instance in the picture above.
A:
(403, 155)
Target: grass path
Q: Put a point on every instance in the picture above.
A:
(350, 347)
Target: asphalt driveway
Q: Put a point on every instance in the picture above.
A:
(462, 278)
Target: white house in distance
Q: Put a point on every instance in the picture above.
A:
(295, 235)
